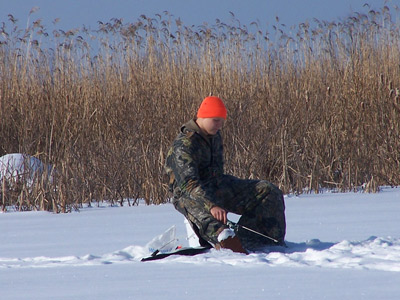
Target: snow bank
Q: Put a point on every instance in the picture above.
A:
(340, 246)
(18, 166)
(375, 253)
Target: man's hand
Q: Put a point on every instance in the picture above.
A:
(219, 214)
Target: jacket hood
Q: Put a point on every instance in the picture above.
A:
(191, 126)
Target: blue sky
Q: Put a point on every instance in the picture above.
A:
(75, 13)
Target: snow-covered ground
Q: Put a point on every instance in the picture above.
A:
(341, 246)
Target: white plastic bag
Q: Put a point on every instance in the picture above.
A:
(165, 242)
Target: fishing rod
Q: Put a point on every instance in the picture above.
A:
(235, 226)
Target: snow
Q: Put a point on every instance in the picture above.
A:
(340, 246)
(226, 233)
(17, 166)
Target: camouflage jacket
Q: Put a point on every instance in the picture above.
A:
(193, 163)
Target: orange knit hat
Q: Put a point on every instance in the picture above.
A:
(212, 107)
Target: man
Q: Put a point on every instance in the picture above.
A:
(204, 194)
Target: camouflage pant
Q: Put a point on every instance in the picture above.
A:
(259, 202)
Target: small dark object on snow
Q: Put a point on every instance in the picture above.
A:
(187, 251)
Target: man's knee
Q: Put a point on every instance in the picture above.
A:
(207, 226)
(268, 190)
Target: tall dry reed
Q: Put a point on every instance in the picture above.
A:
(310, 107)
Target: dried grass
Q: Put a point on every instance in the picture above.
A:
(311, 108)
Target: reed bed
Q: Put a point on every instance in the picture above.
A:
(311, 107)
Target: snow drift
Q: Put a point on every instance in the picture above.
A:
(340, 246)
(17, 166)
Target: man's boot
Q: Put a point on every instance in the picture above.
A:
(232, 243)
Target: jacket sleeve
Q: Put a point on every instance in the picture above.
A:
(186, 172)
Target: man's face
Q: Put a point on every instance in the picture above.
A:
(211, 125)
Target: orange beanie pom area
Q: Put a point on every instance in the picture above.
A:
(212, 107)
